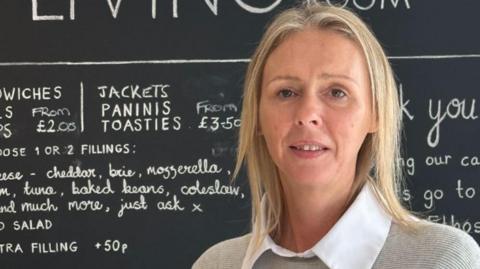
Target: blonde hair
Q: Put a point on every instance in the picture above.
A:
(377, 158)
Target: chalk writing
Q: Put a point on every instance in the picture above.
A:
(455, 108)
(367, 5)
(31, 93)
(431, 196)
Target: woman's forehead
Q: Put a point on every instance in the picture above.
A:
(327, 53)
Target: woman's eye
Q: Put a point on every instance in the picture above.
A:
(337, 93)
(285, 93)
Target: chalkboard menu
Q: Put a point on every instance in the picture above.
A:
(118, 123)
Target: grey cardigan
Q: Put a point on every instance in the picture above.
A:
(432, 246)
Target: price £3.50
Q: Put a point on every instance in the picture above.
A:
(215, 123)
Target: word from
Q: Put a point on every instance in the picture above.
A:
(47, 112)
(454, 109)
(34, 93)
(202, 167)
(205, 106)
(114, 8)
(370, 5)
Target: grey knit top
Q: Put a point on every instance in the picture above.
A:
(431, 246)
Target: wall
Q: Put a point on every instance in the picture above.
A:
(118, 122)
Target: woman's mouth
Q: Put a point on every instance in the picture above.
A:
(307, 147)
(308, 150)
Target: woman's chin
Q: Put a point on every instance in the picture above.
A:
(306, 180)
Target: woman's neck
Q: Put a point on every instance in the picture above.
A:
(311, 213)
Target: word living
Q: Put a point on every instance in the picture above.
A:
(115, 5)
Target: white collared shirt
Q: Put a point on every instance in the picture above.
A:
(355, 241)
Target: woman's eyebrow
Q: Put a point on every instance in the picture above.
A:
(322, 76)
(341, 76)
(284, 77)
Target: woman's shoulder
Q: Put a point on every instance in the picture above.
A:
(434, 235)
(430, 245)
(225, 254)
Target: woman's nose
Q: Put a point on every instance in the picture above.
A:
(308, 112)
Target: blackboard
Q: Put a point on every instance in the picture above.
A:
(118, 123)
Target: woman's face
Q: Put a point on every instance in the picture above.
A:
(315, 107)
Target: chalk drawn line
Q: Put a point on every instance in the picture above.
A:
(206, 61)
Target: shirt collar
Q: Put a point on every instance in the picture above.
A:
(362, 230)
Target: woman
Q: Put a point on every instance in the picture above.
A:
(320, 136)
